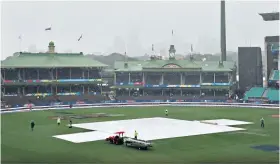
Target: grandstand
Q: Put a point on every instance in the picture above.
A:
(44, 78)
(270, 93)
(256, 92)
(273, 94)
(272, 54)
(181, 80)
(264, 95)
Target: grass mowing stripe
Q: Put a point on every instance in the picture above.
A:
(19, 144)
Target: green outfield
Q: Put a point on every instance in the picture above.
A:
(20, 144)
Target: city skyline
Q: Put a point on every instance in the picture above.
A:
(109, 27)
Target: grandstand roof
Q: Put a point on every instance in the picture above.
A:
(270, 16)
(175, 64)
(49, 60)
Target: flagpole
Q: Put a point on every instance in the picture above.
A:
(20, 40)
(78, 44)
(19, 45)
(79, 48)
(172, 37)
(48, 32)
(125, 52)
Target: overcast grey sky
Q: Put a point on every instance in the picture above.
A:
(107, 26)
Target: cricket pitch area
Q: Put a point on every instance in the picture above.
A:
(151, 128)
(187, 135)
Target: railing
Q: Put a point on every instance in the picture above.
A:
(193, 104)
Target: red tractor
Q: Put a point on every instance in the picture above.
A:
(117, 139)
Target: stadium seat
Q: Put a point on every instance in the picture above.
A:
(254, 92)
(273, 94)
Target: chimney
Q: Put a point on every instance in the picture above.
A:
(223, 32)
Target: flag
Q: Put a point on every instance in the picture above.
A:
(80, 37)
(48, 29)
(152, 47)
(19, 37)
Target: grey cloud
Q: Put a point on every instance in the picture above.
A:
(107, 25)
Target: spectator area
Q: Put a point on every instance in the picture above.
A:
(273, 94)
(254, 92)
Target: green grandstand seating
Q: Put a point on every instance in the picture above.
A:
(254, 92)
(273, 94)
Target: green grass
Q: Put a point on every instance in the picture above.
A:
(20, 145)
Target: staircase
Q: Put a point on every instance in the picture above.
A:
(265, 93)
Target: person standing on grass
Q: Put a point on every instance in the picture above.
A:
(70, 123)
(58, 121)
(32, 124)
(262, 122)
(166, 112)
(29, 106)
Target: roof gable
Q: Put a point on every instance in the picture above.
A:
(171, 65)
